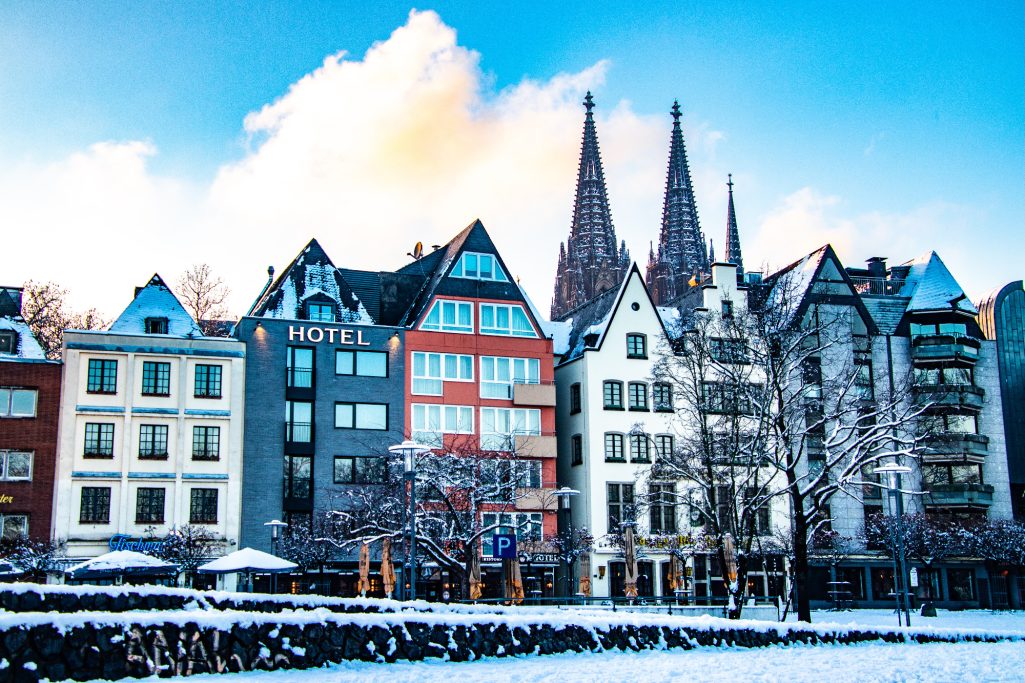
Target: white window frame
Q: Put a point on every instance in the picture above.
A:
(7, 401)
(5, 461)
(439, 325)
(518, 421)
(428, 381)
(526, 526)
(530, 367)
(506, 330)
(497, 273)
(429, 421)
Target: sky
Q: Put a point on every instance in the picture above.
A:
(145, 137)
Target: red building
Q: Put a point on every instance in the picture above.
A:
(29, 405)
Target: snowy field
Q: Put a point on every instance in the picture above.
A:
(887, 618)
(939, 663)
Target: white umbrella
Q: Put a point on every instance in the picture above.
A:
(248, 560)
(121, 563)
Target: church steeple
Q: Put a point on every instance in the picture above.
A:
(591, 261)
(681, 247)
(711, 251)
(733, 254)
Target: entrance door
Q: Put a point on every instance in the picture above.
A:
(617, 579)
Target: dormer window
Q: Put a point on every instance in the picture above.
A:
(320, 312)
(156, 325)
(474, 266)
(8, 341)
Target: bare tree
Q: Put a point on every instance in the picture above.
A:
(45, 310)
(203, 294)
(189, 546)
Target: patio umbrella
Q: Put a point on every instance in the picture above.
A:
(585, 574)
(121, 563)
(248, 560)
(364, 570)
(513, 581)
(475, 583)
(730, 551)
(387, 570)
(630, 551)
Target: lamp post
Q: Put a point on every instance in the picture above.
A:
(409, 450)
(893, 473)
(565, 495)
(275, 525)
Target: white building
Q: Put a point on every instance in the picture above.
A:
(150, 429)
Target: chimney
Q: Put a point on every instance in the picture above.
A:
(877, 266)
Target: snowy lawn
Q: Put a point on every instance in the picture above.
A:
(960, 662)
(887, 618)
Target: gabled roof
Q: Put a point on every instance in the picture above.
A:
(933, 289)
(156, 300)
(311, 275)
(28, 347)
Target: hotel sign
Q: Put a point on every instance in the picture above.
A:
(316, 335)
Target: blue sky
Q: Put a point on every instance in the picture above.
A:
(871, 118)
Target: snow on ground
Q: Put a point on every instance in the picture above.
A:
(934, 662)
(946, 619)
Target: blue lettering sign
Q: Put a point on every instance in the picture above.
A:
(139, 545)
(504, 546)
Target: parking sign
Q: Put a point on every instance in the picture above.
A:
(504, 546)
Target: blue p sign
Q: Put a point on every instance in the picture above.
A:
(504, 546)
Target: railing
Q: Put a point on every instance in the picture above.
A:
(877, 286)
(300, 378)
(298, 432)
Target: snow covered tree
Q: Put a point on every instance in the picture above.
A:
(189, 546)
(47, 313)
(204, 296)
(305, 544)
(33, 556)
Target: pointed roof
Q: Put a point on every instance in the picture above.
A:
(156, 300)
(711, 251)
(311, 274)
(733, 254)
(681, 242)
(933, 289)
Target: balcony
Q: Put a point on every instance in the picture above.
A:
(535, 445)
(536, 500)
(299, 438)
(941, 396)
(959, 495)
(534, 394)
(944, 347)
(948, 446)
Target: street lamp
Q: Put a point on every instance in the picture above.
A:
(409, 450)
(565, 495)
(893, 473)
(275, 525)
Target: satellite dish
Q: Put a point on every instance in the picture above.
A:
(418, 250)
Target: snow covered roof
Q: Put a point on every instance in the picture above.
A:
(121, 562)
(28, 347)
(156, 300)
(791, 285)
(932, 288)
(247, 560)
(311, 275)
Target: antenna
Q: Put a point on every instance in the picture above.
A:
(418, 251)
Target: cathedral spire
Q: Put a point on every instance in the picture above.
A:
(594, 260)
(733, 254)
(711, 251)
(682, 253)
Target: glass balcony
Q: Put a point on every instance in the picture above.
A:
(963, 396)
(944, 347)
(953, 446)
(959, 495)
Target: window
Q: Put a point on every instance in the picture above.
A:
(449, 316)
(298, 476)
(721, 397)
(933, 475)
(206, 443)
(952, 329)
(727, 308)
(298, 421)
(208, 381)
(527, 474)
(95, 506)
(361, 363)
(14, 526)
(614, 447)
(156, 325)
(8, 341)
(16, 465)
(732, 351)
(613, 394)
(640, 448)
(507, 320)
(17, 402)
(663, 445)
(361, 416)
(759, 516)
(153, 442)
(431, 370)
(360, 470)
(299, 364)
(576, 445)
(203, 506)
(99, 440)
(497, 375)
(526, 526)
(663, 397)
(954, 376)
(499, 426)
(621, 504)
(638, 396)
(149, 506)
(431, 420)
(811, 375)
(320, 312)
(863, 381)
(478, 267)
(102, 377)
(952, 423)
(574, 398)
(156, 379)
(636, 345)
(662, 508)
